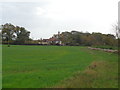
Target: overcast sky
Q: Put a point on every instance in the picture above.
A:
(44, 18)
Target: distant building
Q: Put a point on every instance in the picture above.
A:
(55, 40)
(43, 42)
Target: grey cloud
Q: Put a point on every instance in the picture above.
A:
(23, 14)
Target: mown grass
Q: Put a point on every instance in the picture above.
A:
(47, 66)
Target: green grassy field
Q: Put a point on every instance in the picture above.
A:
(58, 66)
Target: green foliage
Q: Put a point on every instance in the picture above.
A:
(47, 66)
(22, 36)
(79, 38)
(19, 35)
(7, 32)
(14, 34)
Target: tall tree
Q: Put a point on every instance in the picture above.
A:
(16, 34)
(22, 35)
(8, 32)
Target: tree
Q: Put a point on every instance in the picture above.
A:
(79, 38)
(22, 35)
(116, 28)
(8, 32)
(14, 34)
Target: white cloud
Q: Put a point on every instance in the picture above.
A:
(40, 11)
(46, 17)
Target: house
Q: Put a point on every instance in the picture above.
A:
(54, 40)
(43, 42)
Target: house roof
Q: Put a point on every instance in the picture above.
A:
(52, 39)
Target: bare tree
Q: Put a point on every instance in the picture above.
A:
(116, 29)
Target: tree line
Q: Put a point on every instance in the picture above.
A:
(88, 39)
(19, 35)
